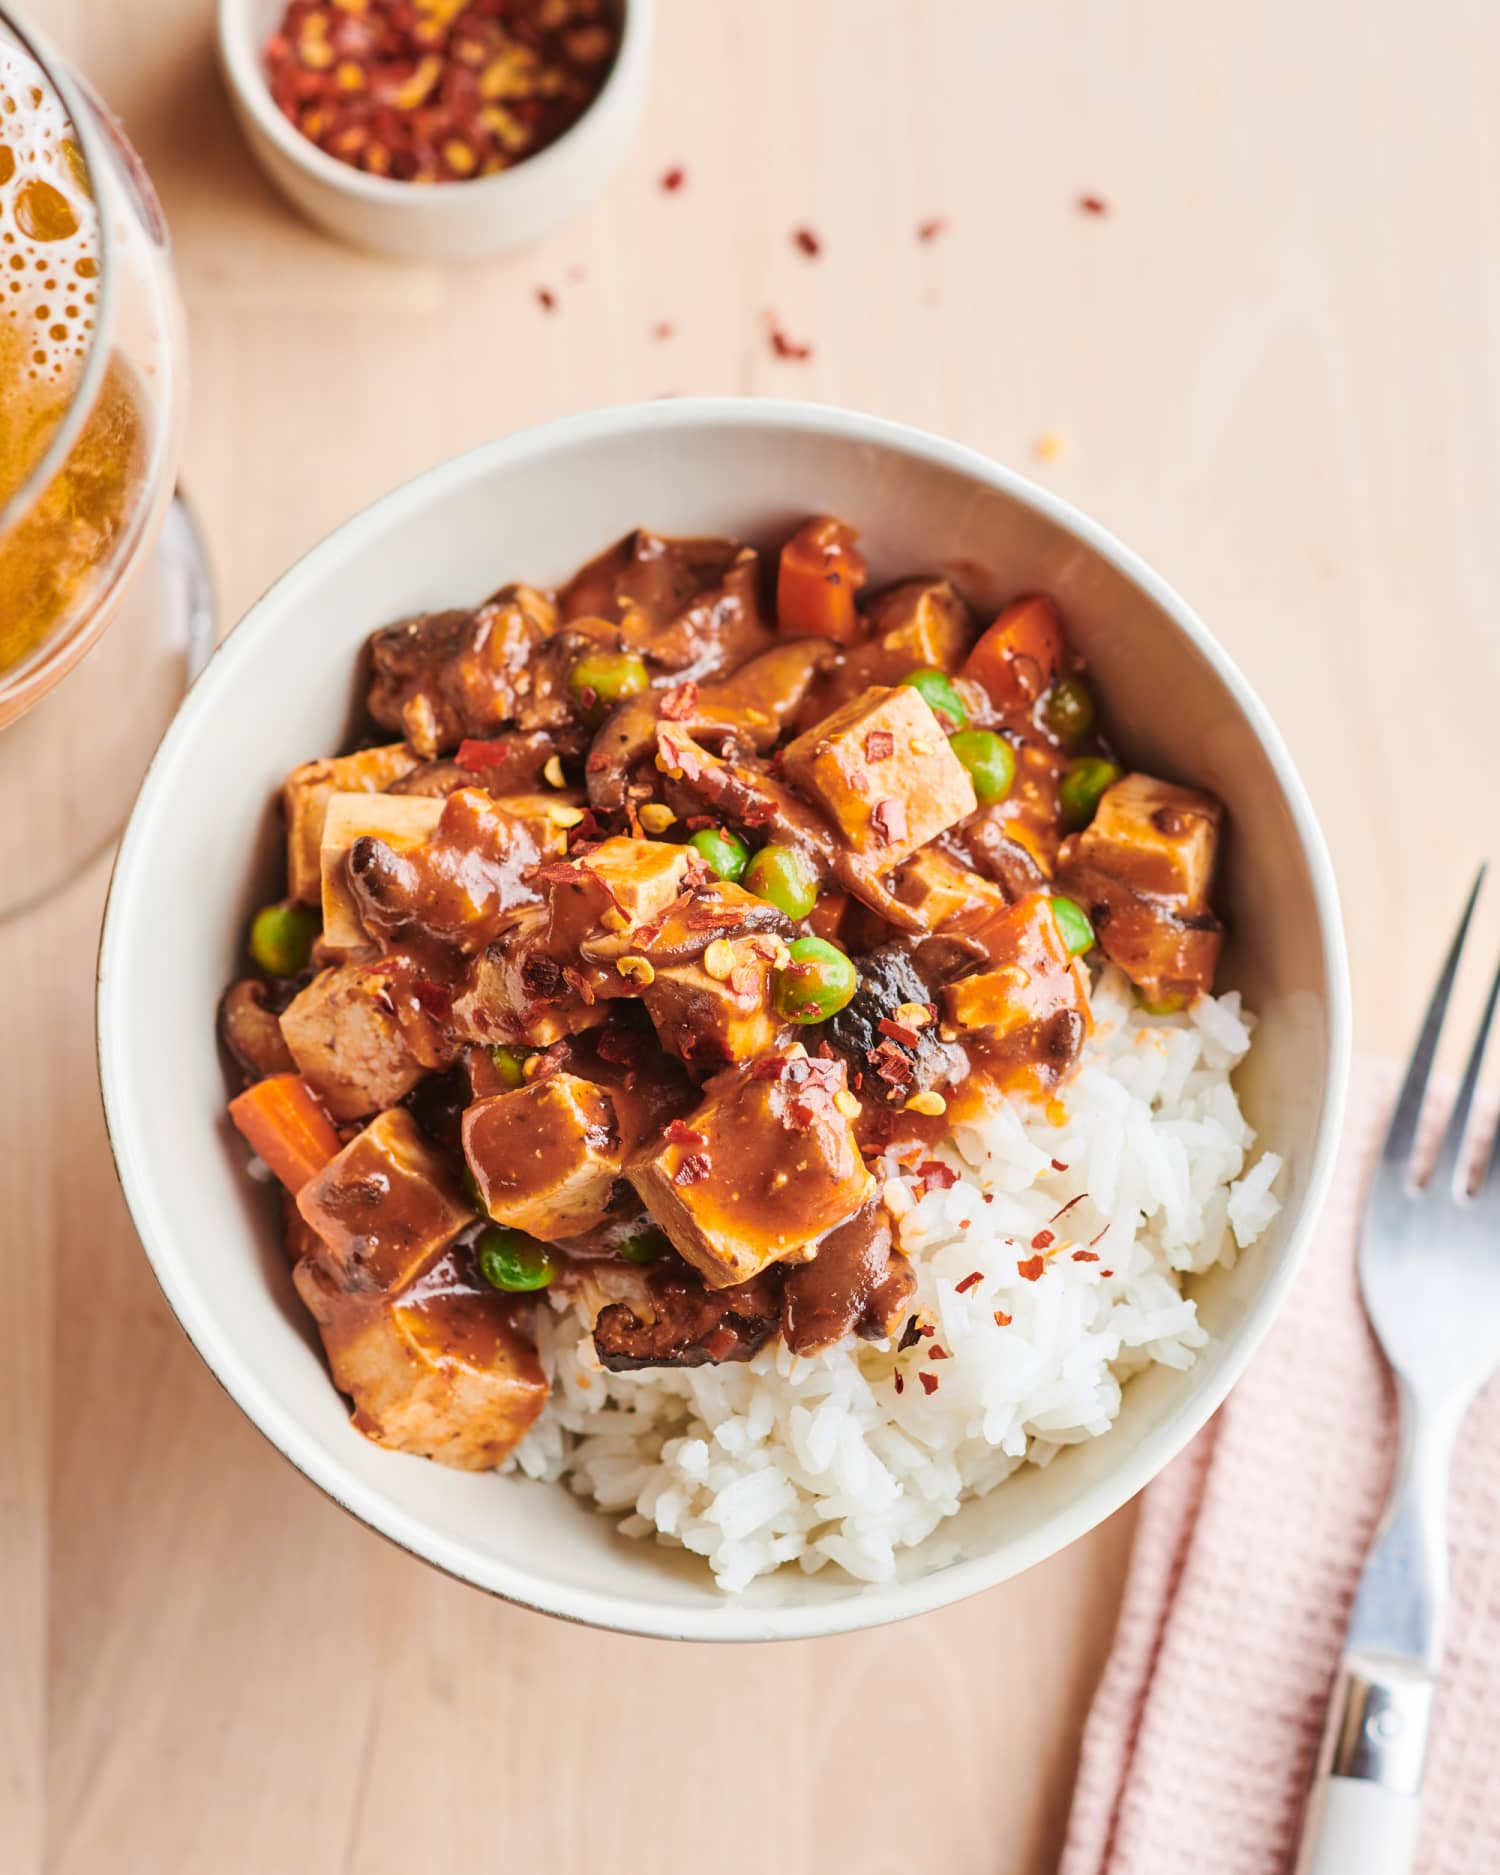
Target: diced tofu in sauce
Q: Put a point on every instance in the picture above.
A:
(305, 797)
(1142, 870)
(882, 770)
(1030, 981)
(546, 1157)
(347, 1043)
(401, 820)
(757, 1174)
(386, 1207)
(439, 1371)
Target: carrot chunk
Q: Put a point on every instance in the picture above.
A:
(1021, 655)
(821, 570)
(281, 1120)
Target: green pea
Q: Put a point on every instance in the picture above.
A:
(816, 982)
(281, 938)
(1069, 710)
(940, 696)
(1073, 922)
(510, 1064)
(509, 1259)
(726, 853)
(646, 1245)
(1083, 782)
(1172, 1004)
(785, 877)
(600, 679)
(990, 760)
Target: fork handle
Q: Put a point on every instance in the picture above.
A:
(1362, 1813)
(1357, 1828)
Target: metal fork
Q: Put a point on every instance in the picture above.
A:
(1429, 1270)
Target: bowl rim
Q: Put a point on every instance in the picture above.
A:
(240, 58)
(728, 1619)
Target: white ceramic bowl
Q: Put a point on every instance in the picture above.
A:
(203, 847)
(455, 221)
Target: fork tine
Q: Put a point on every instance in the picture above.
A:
(1402, 1136)
(1450, 1153)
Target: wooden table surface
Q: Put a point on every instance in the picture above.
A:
(1273, 368)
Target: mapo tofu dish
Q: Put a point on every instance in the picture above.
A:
(658, 926)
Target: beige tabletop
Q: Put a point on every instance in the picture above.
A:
(1271, 366)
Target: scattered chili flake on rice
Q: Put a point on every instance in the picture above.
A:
(1032, 1268)
(929, 1383)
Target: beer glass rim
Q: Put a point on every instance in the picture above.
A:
(70, 95)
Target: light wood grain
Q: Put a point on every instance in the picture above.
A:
(1274, 364)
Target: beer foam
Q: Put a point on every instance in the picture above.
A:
(49, 229)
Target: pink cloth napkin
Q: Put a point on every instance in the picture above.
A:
(1200, 1745)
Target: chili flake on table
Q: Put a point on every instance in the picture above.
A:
(439, 90)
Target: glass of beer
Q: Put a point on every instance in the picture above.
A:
(104, 603)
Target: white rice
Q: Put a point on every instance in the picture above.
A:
(812, 1461)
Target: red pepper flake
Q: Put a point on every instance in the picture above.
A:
(973, 1277)
(929, 1383)
(936, 1176)
(673, 179)
(1099, 1238)
(1085, 1256)
(1032, 1268)
(900, 1381)
(437, 94)
(936, 1353)
(679, 702)
(888, 818)
(1058, 1166)
(1093, 205)
(890, 1064)
(598, 761)
(663, 329)
(1068, 1206)
(880, 745)
(546, 299)
(928, 1329)
(930, 230)
(783, 345)
(808, 242)
(681, 1134)
(433, 998)
(1043, 1240)
(481, 755)
(899, 1032)
(965, 1223)
(693, 1168)
(1002, 1320)
(1106, 1273)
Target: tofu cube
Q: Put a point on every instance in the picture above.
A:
(948, 895)
(305, 796)
(761, 1171)
(403, 821)
(386, 1207)
(922, 624)
(1159, 840)
(619, 886)
(442, 1374)
(881, 767)
(1031, 978)
(348, 1046)
(517, 992)
(546, 1157)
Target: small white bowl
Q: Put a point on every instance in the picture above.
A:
(203, 848)
(451, 221)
